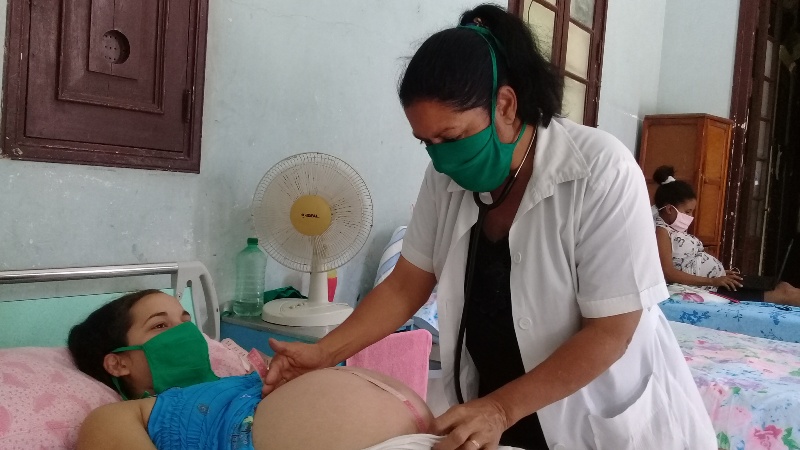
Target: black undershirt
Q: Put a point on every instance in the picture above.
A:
(490, 337)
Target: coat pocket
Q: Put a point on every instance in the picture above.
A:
(645, 425)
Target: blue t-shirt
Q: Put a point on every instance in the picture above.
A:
(217, 414)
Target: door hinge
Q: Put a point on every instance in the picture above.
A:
(187, 105)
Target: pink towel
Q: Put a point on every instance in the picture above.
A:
(403, 356)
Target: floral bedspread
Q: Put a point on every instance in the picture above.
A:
(750, 386)
(767, 320)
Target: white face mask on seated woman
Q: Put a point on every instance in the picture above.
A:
(682, 220)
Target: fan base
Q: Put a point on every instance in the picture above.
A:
(300, 313)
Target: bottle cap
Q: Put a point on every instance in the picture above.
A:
(252, 241)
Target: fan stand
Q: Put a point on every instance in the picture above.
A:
(316, 311)
(314, 213)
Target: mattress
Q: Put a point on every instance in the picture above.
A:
(766, 320)
(750, 386)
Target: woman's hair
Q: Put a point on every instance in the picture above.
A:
(454, 67)
(673, 193)
(105, 330)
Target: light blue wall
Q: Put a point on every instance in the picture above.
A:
(631, 65)
(665, 56)
(697, 56)
(283, 77)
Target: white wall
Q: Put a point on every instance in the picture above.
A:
(283, 77)
(631, 66)
(697, 57)
(665, 56)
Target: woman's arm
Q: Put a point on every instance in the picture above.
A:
(383, 310)
(116, 425)
(673, 275)
(578, 361)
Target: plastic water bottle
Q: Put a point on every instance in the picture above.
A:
(251, 265)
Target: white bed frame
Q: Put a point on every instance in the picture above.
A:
(192, 274)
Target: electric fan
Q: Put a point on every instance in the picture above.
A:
(312, 213)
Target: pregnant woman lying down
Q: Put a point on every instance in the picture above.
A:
(144, 346)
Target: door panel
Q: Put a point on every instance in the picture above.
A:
(707, 217)
(752, 215)
(715, 164)
(85, 97)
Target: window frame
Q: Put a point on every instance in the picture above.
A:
(559, 49)
(18, 146)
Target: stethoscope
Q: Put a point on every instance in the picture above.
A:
(475, 233)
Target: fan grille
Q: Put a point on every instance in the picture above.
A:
(312, 174)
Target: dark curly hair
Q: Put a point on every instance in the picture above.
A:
(454, 67)
(105, 330)
(673, 193)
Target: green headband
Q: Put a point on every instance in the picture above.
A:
(490, 38)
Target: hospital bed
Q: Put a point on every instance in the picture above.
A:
(43, 397)
(759, 319)
(21, 318)
(750, 386)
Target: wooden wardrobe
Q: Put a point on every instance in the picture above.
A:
(698, 147)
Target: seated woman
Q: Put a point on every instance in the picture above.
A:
(682, 257)
(144, 345)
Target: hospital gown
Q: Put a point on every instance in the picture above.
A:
(688, 254)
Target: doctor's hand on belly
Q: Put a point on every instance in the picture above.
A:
(291, 360)
(477, 424)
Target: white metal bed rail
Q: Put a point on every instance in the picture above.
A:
(184, 274)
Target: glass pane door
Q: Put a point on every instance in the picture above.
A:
(570, 35)
(582, 11)
(541, 21)
(578, 46)
(574, 100)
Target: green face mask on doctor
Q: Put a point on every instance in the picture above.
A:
(178, 357)
(481, 162)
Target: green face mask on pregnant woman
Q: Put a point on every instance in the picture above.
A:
(177, 357)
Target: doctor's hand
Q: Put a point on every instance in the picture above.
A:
(477, 424)
(291, 360)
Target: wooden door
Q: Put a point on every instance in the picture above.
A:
(570, 34)
(753, 110)
(782, 223)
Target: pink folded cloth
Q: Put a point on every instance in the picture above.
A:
(257, 363)
(403, 356)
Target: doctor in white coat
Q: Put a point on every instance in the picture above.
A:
(539, 234)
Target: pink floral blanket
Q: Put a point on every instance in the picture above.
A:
(750, 386)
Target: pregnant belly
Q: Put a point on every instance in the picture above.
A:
(708, 266)
(333, 409)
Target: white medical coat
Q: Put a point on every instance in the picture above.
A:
(582, 244)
